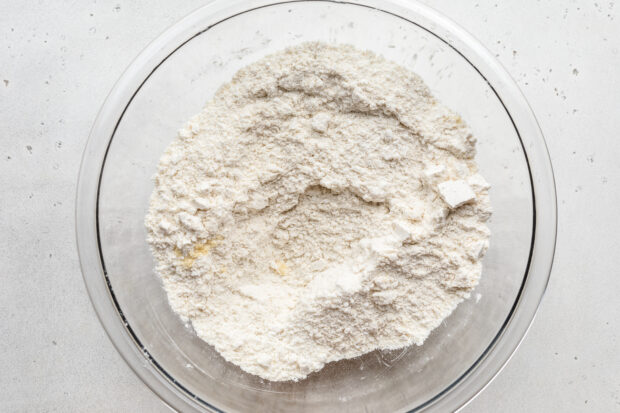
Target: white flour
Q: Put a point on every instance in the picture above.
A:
(300, 219)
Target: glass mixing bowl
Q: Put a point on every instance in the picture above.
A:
(174, 77)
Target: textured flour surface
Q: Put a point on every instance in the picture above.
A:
(300, 219)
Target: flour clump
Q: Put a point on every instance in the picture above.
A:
(322, 205)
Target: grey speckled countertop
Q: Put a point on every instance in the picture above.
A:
(58, 60)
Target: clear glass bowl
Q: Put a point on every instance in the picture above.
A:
(174, 77)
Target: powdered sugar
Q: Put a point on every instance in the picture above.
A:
(297, 219)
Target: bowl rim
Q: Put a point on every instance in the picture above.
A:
(536, 278)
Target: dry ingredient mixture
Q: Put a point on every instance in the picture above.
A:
(321, 206)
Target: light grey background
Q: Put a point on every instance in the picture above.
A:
(58, 60)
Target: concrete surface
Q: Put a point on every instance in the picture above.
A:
(58, 60)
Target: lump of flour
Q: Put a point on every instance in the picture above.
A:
(321, 206)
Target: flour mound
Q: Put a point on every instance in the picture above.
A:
(300, 218)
